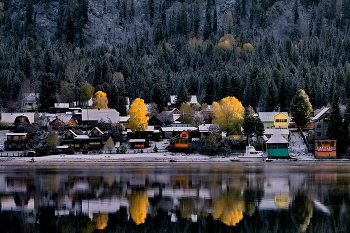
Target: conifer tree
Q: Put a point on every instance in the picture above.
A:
(301, 108)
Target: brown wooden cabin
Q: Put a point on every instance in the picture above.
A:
(16, 141)
(138, 143)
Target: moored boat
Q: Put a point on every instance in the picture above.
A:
(252, 155)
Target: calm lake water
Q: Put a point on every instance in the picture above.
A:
(175, 197)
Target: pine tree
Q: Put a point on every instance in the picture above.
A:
(301, 108)
(335, 120)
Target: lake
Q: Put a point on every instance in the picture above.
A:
(176, 197)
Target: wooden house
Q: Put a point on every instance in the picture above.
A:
(155, 122)
(320, 121)
(64, 120)
(284, 132)
(274, 120)
(138, 143)
(180, 141)
(277, 147)
(16, 141)
(326, 149)
(95, 141)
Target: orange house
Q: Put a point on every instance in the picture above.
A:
(325, 148)
(180, 141)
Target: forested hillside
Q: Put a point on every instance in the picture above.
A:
(260, 51)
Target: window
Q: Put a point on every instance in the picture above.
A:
(319, 134)
(319, 126)
(281, 120)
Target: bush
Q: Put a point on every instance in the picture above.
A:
(123, 149)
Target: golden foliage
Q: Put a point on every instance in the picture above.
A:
(226, 42)
(100, 220)
(229, 208)
(193, 43)
(1, 9)
(229, 114)
(186, 207)
(247, 48)
(110, 143)
(138, 120)
(100, 100)
(138, 202)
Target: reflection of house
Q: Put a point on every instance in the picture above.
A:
(325, 148)
(180, 141)
(16, 141)
(274, 120)
(277, 147)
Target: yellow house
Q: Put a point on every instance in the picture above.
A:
(274, 120)
(281, 121)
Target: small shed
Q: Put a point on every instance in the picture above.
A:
(277, 147)
(138, 143)
(326, 149)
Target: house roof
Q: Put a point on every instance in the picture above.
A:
(269, 116)
(177, 129)
(276, 131)
(74, 134)
(320, 114)
(10, 117)
(98, 129)
(106, 115)
(16, 134)
(30, 97)
(277, 138)
(204, 128)
(137, 140)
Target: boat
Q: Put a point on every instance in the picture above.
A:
(252, 155)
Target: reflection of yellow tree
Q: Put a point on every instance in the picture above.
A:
(138, 201)
(229, 207)
(186, 207)
(302, 210)
(100, 221)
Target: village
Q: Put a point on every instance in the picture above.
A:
(90, 131)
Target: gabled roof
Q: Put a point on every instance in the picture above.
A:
(10, 117)
(276, 131)
(269, 116)
(71, 131)
(96, 128)
(277, 138)
(320, 114)
(204, 128)
(106, 115)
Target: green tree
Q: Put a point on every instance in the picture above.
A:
(52, 140)
(187, 113)
(335, 120)
(87, 91)
(252, 126)
(301, 108)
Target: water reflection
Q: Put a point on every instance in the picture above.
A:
(178, 198)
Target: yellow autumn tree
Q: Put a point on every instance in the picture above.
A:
(226, 42)
(228, 114)
(100, 220)
(229, 207)
(100, 100)
(138, 202)
(138, 120)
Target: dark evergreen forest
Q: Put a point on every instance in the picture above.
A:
(261, 52)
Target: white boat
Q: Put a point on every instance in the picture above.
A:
(252, 155)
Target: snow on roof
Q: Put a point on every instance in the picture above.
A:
(269, 116)
(82, 137)
(204, 127)
(177, 129)
(137, 140)
(320, 114)
(16, 134)
(124, 118)
(277, 138)
(106, 115)
(194, 99)
(277, 131)
(10, 117)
